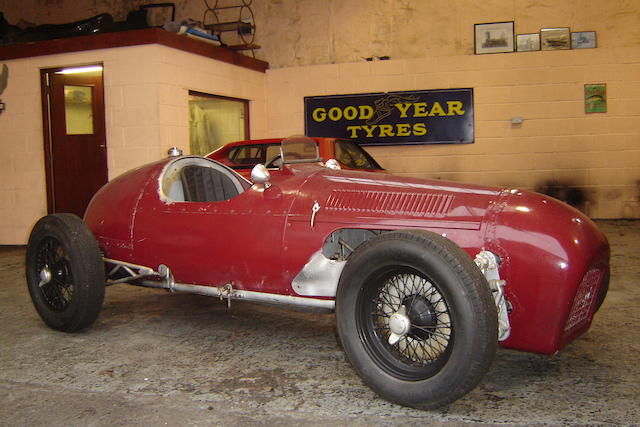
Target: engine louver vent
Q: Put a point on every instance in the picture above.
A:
(390, 203)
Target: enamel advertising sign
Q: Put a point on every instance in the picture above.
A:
(393, 118)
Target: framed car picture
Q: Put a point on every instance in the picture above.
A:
(555, 38)
(495, 37)
(583, 40)
(528, 42)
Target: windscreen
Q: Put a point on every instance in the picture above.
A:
(299, 149)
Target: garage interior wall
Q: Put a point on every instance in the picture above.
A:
(431, 46)
(317, 48)
(557, 142)
(147, 111)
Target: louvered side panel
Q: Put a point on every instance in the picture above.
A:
(390, 203)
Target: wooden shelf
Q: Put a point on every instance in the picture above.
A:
(131, 38)
(237, 47)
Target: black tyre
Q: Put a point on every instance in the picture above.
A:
(65, 272)
(416, 318)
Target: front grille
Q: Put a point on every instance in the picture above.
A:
(584, 301)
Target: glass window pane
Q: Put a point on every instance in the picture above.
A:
(78, 105)
(214, 122)
(248, 155)
(349, 154)
(352, 155)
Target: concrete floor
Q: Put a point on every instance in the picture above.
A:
(154, 358)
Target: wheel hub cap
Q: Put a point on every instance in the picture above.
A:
(399, 324)
(422, 314)
(45, 276)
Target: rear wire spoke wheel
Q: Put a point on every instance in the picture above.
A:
(416, 318)
(56, 281)
(65, 272)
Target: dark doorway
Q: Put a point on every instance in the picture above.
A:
(74, 135)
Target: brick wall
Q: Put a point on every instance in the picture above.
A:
(598, 154)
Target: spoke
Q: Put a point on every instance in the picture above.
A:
(429, 353)
(58, 291)
(413, 346)
(436, 333)
(49, 252)
(415, 287)
(415, 291)
(406, 348)
(432, 329)
(423, 353)
(67, 292)
(53, 294)
(427, 343)
(432, 351)
(384, 331)
(385, 299)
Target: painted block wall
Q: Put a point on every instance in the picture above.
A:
(146, 102)
(557, 141)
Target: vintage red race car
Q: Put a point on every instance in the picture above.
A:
(244, 155)
(426, 278)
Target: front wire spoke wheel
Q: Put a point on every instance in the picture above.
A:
(416, 318)
(411, 319)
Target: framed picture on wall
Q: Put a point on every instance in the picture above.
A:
(555, 38)
(528, 42)
(595, 98)
(496, 37)
(583, 40)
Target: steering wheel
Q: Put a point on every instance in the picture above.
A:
(275, 162)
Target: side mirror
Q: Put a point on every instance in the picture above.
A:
(261, 176)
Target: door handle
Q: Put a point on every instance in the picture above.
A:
(314, 211)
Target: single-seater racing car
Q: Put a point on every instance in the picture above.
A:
(426, 278)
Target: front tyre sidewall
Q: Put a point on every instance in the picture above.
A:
(468, 298)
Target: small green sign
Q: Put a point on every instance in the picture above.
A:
(595, 98)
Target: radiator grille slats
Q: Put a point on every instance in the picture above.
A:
(583, 303)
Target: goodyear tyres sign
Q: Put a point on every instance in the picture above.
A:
(391, 118)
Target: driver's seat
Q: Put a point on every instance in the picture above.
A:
(205, 184)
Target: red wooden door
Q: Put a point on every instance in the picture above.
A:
(75, 142)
